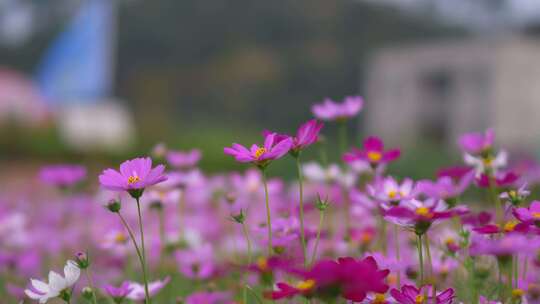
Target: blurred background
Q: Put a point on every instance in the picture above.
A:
(94, 80)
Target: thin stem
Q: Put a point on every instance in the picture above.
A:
(314, 254)
(420, 259)
(161, 214)
(268, 216)
(301, 193)
(132, 237)
(91, 283)
(145, 277)
(499, 212)
(398, 258)
(430, 263)
(248, 241)
(516, 270)
(525, 264)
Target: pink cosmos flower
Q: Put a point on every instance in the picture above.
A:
(330, 110)
(445, 187)
(502, 179)
(529, 215)
(135, 174)
(508, 227)
(390, 191)
(507, 245)
(372, 153)
(261, 156)
(137, 290)
(62, 175)
(456, 172)
(476, 143)
(354, 279)
(118, 293)
(412, 295)
(307, 134)
(180, 159)
(515, 197)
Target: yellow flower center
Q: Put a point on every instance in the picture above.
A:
(379, 299)
(133, 179)
(450, 241)
(392, 194)
(120, 238)
(536, 215)
(262, 263)
(392, 279)
(259, 152)
(508, 227)
(488, 161)
(423, 211)
(305, 285)
(512, 193)
(374, 156)
(419, 299)
(517, 293)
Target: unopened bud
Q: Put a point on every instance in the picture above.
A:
(82, 260)
(87, 293)
(240, 217)
(321, 204)
(114, 206)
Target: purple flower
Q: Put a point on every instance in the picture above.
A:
(372, 153)
(307, 134)
(330, 110)
(502, 179)
(135, 174)
(196, 263)
(445, 187)
(529, 215)
(476, 143)
(507, 245)
(180, 159)
(62, 175)
(515, 197)
(412, 295)
(261, 156)
(118, 293)
(390, 191)
(137, 290)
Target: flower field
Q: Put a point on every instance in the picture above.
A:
(157, 229)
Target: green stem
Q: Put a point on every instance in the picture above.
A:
(499, 212)
(314, 254)
(301, 192)
(248, 241)
(145, 277)
(525, 264)
(91, 283)
(268, 216)
(132, 237)
(398, 258)
(516, 270)
(430, 263)
(420, 259)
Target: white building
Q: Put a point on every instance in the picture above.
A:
(439, 90)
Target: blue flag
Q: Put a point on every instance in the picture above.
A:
(78, 66)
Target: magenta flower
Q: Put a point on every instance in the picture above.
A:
(477, 143)
(134, 176)
(180, 159)
(529, 215)
(372, 153)
(118, 294)
(261, 156)
(456, 172)
(307, 134)
(502, 180)
(330, 110)
(412, 295)
(62, 175)
(445, 187)
(389, 190)
(352, 278)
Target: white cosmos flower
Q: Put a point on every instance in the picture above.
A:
(45, 291)
(480, 164)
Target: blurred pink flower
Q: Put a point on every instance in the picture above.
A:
(476, 143)
(373, 153)
(137, 290)
(180, 159)
(330, 110)
(62, 175)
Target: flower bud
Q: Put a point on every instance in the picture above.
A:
(114, 206)
(321, 204)
(240, 217)
(87, 293)
(82, 260)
